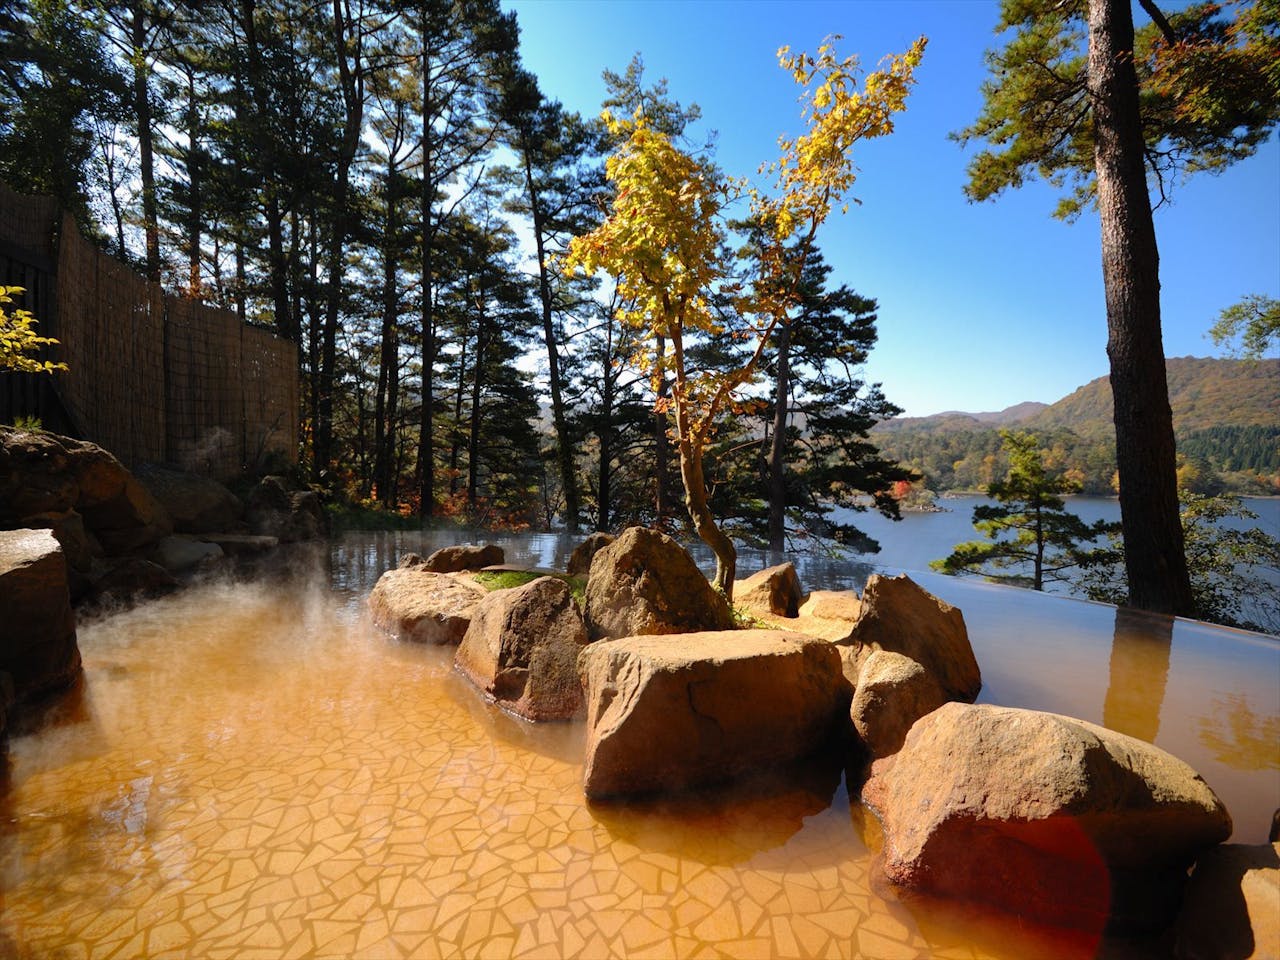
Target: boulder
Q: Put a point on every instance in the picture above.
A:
(669, 713)
(35, 476)
(1051, 818)
(841, 605)
(646, 583)
(79, 546)
(196, 504)
(38, 641)
(177, 553)
(129, 578)
(130, 521)
(580, 559)
(464, 557)
(273, 510)
(1231, 910)
(45, 476)
(412, 561)
(901, 617)
(774, 590)
(893, 692)
(522, 649)
(99, 475)
(424, 607)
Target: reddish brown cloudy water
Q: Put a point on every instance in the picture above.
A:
(253, 771)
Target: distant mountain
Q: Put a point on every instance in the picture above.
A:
(1226, 417)
(958, 420)
(1203, 393)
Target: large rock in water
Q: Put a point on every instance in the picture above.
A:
(197, 504)
(1052, 818)
(645, 583)
(667, 713)
(424, 607)
(464, 557)
(774, 590)
(900, 616)
(37, 627)
(1232, 907)
(584, 553)
(893, 692)
(522, 649)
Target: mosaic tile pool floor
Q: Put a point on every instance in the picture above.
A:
(255, 773)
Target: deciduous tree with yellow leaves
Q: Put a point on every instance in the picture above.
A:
(18, 339)
(666, 241)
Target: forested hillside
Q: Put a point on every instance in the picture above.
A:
(1226, 417)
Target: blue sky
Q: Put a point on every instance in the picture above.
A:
(981, 305)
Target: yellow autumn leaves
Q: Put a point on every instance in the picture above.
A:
(18, 339)
(666, 243)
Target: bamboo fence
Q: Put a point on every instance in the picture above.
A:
(152, 378)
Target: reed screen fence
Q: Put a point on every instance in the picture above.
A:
(153, 378)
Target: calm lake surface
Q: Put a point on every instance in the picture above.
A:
(254, 771)
(909, 544)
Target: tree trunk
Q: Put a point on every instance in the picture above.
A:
(695, 484)
(477, 386)
(661, 444)
(777, 449)
(195, 178)
(564, 448)
(604, 430)
(695, 501)
(387, 353)
(1154, 556)
(351, 78)
(146, 148)
(426, 446)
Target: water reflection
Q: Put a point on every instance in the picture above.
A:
(1139, 673)
(1240, 737)
(734, 823)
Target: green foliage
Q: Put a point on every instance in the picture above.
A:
(1030, 526)
(1233, 571)
(1255, 320)
(829, 460)
(506, 579)
(365, 515)
(55, 82)
(1208, 97)
(18, 339)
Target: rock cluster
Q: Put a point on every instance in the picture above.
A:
(1055, 819)
(125, 534)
